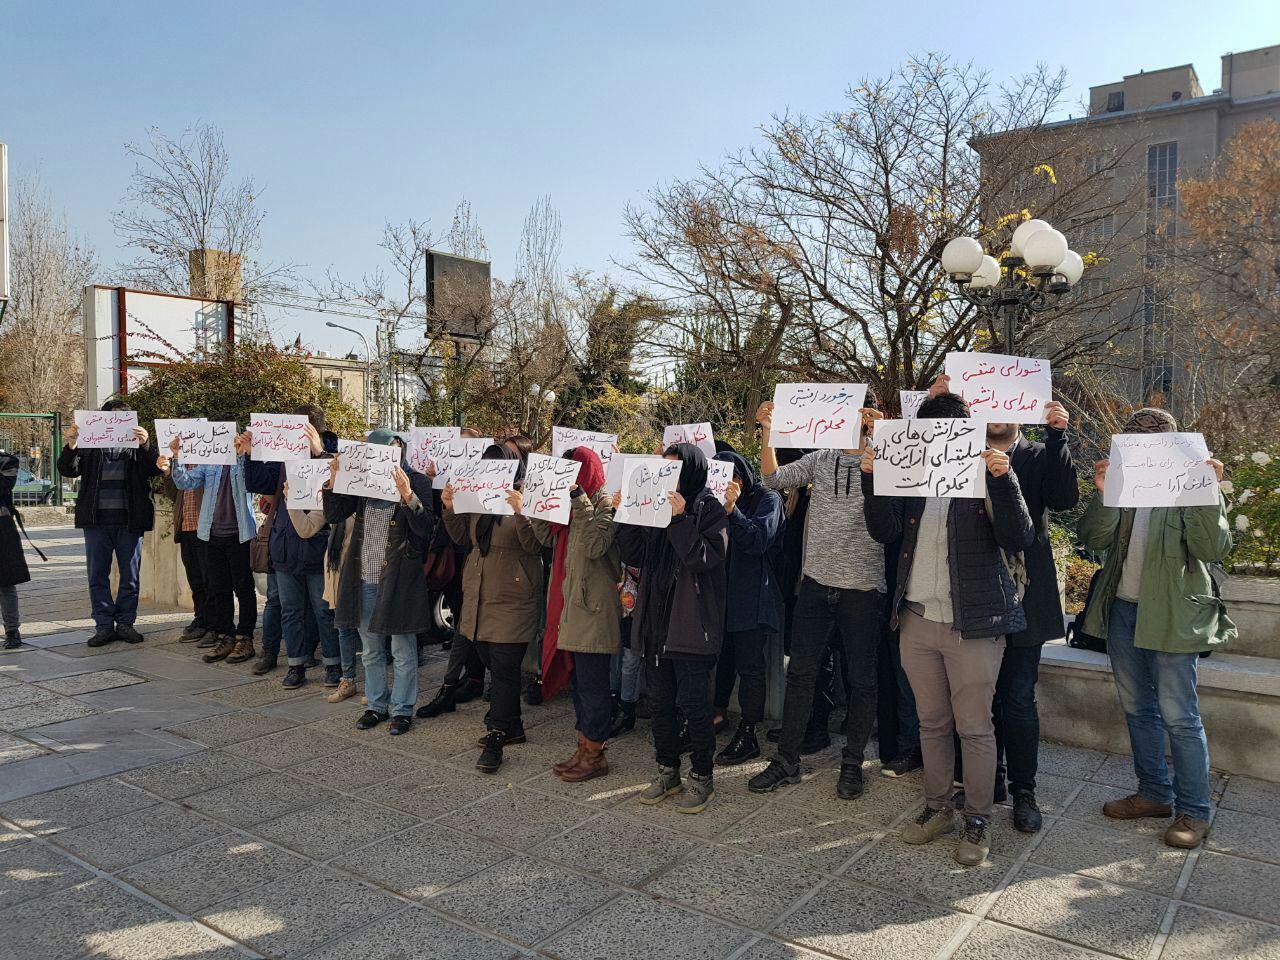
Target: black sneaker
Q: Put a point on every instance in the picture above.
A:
(533, 691)
(743, 747)
(773, 776)
(370, 719)
(12, 639)
(467, 690)
(445, 701)
(332, 674)
(850, 785)
(624, 719)
(399, 725)
(903, 765)
(264, 665)
(102, 637)
(127, 633)
(512, 739)
(295, 678)
(1026, 813)
(491, 756)
(192, 632)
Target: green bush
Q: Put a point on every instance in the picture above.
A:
(1252, 489)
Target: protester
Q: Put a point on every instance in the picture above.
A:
(679, 625)
(531, 668)
(755, 609)
(225, 527)
(1159, 608)
(13, 563)
(502, 600)
(583, 611)
(186, 521)
(953, 615)
(842, 589)
(114, 509)
(628, 662)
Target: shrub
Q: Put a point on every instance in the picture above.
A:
(1252, 490)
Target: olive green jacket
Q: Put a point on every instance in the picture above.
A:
(1179, 610)
(591, 615)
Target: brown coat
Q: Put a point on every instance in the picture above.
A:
(590, 618)
(502, 591)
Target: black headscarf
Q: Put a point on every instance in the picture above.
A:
(742, 470)
(693, 469)
(487, 521)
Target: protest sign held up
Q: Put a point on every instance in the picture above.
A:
(279, 437)
(566, 438)
(426, 443)
(1159, 470)
(910, 401)
(306, 479)
(646, 483)
(166, 430)
(547, 482)
(98, 429)
(817, 415)
(1000, 388)
(930, 458)
(206, 442)
(481, 486)
(367, 470)
(699, 434)
(447, 457)
(719, 476)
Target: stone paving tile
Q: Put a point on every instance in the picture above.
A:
(430, 790)
(203, 771)
(29, 870)
(523, 899)
(260, 692)
(1252, 796)
(333, 826)
(43, 714)
(1052, 792)
(724, 810)
(1129, 859)
(883, 802)
(766, 949)
(809, 840)
(622, 783)
(1237, 885)
(24, 695)
(623, 850)
(929, 872)
(14, 748)
(247, 802)
(517, 817)
(418, 934)
(1006, 841)
(743, 889)
(1202, 935)
(1246, 835)
(113, 844)
(75, 806)
(166, 939)
(853, 920)
(299, 912)
(190, 880)
(355, 768)
(229, 728)
(1074, 763)
(95, 914)
(1082, 910)
(991, 941)
(89, 682)
(423, 861)
(1087, 808)
(284, 749)
(634, 927)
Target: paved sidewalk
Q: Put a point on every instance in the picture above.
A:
(155, 807)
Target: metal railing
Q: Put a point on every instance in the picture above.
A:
(39, 483)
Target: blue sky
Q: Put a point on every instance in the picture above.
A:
(351, 114)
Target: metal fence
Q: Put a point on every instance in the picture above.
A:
(36, 440)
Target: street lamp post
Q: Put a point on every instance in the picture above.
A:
(368, 364)
(1035, 274)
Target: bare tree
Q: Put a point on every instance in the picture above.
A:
(466, 239)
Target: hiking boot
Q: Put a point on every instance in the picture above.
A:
(696, 795)
(974, 843)
(12, 639)
(928, 826)
(1186, 832)
(1026, 814)
(513, 739)
(242, 651)
(332, 675)
(127, 633)
(346, 690)
(101, 637)
(773, 776)
(264, 665)
(850, 785)
(467, 690)
(624, 719)
(743, 747)
(533, 690)
(443, 702)
(210, 640)
(370, 719)
(192, 632)
(399, 726)
(1135, 807)
(905, 764)
(591, 764)
(295, 677)
(221, 651)
(666, 784)
(563, 765)
(491, 756)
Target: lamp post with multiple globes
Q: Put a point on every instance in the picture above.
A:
(1038, 270)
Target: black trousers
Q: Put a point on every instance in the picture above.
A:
(503, 661)
(592, 697)
(682, 683)
(228, 578)
(192, 550)
(1017, 718)
(464, 662)
(855, 614)
(742, 659)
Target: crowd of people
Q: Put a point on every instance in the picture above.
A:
(925, 617)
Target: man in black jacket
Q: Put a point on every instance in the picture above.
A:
(114, 510)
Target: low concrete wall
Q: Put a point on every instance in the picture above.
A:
(1253, 603)
(163, 580)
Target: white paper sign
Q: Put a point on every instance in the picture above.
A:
(930, 458)
(547, 482)
(910, 401)
(166, 430)
(449, 456)
(427, 442)
(306, 479)
(566, 438)
(719, 476)
(101, 429)
(212, 443)
(817, 415)
(481, 486)
(613, 472)
(1159, 470)
(699, 434)
(279, 437)
(999, 388)
(367, 470)
(646, 483)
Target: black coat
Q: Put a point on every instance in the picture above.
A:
(1047, 478)
(87, 465)
(13, 563)
(984, 598)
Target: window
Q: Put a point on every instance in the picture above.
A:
(333, 383)
(1115, 101)
(1099, 165)
(1093, 288)
(1096, 231)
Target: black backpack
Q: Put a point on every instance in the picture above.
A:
(1076, 637)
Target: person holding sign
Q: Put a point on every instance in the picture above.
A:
(678, 623)
(583, 611)
(382, 590)
(501, 603)
(954, 601)
(13, 564)
(1159, 608)
(114, 510)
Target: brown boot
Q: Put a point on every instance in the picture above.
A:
(563, 765)
(242, 651)
(1135, 807)
(1186, 832)
(590, 765)
(221, 651)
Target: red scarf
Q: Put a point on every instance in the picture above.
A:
(557, 665)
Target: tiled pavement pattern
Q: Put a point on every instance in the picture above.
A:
(198, 813)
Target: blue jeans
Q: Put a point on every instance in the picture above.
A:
(404, 668)
(271, 629)
(349, 647)
(626, 674)
(302, 600)
(1158, 695)
(100, 545)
